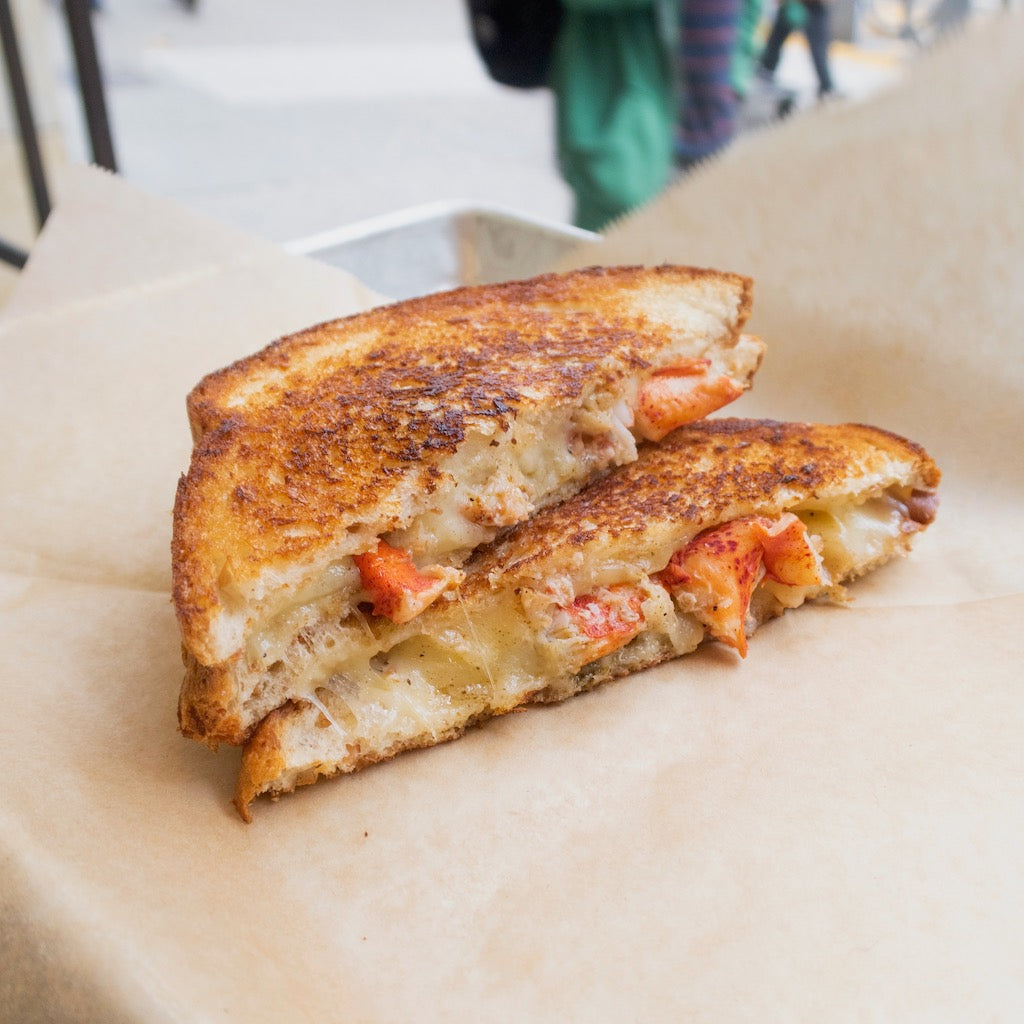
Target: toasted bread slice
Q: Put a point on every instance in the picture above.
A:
(363, 460)
(723, 525)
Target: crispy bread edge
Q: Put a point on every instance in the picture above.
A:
(204, 406)
(263, 757)
(205, 701)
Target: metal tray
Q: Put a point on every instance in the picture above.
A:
(442, 245)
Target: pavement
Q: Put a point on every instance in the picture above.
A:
(290, 120)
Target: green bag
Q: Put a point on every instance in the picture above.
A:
(796, 13)
(613, 81)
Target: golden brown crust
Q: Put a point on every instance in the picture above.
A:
(310, 437)
(264, 759)
(207, 694)
(306, 358)
(704, 472)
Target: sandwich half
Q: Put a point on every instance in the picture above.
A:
(723, 525)
(342, 476)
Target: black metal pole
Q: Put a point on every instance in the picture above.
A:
(23, 115)
(90, 81)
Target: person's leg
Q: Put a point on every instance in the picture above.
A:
(818, 30)
(781, 28)
(707, 106)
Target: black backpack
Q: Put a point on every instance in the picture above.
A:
(515, 38)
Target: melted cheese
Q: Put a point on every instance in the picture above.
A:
(380, 685)
(491, 484)
(433, 675)
(855, 537)
(498, 481)
(426, 684)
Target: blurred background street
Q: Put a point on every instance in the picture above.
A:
(290, 119)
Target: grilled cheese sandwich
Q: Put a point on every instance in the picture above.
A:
(722, 526)
(342, 476)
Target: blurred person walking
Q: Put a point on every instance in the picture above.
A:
(615, 108)
(812, 16)
(709, 37)
(747, 51)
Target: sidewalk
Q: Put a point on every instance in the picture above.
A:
(291, 124)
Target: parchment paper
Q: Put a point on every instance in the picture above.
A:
(830, 830)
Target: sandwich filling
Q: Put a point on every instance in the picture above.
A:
(386, 684)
